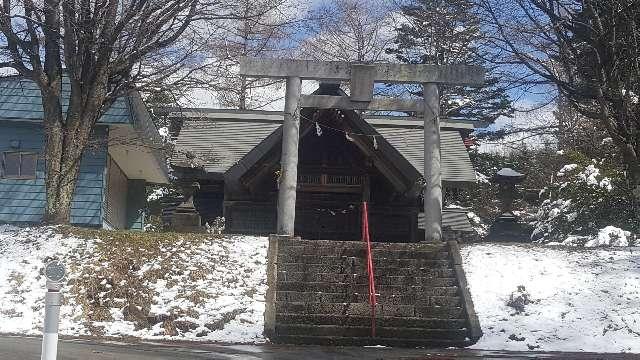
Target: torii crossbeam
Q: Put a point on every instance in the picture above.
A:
(362, 78)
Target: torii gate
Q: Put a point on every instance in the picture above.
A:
(362, 78)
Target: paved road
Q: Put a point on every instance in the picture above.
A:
(21, 348)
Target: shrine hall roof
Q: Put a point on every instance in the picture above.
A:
(216, 140)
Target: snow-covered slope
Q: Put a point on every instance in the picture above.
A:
(209, 289)
(212, 289)
(581, 299)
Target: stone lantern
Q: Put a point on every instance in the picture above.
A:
(185, 217)
(507, 226)
(507, 179)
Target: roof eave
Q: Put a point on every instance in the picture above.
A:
(148, 133)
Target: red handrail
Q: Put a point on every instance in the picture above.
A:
(372, 285)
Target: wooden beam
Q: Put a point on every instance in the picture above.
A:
(343, 102)
(381, 164)
(341, 71)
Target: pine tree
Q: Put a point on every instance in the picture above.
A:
(445, 32)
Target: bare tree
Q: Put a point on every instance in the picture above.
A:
(589, 50)
(349, 30)
(104, 49)
(260, 28)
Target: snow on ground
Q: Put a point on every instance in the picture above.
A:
(582, 299)
(23, 254)
(606, 237)
(211, 289)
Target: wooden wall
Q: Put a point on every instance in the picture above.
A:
(24, 200)
(136, 203)
(115, 200)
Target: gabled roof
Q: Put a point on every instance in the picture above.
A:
(220, 139)
(20, 99)
(456, 165)
(221, 142)
(139, 147)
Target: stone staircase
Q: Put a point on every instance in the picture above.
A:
(318, 294)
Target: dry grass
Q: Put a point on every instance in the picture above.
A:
(113, 277)
(138, 237)
(16, 280)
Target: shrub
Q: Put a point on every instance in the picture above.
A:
(584, 197)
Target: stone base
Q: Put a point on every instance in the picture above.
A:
(187, 223)
(508, 228)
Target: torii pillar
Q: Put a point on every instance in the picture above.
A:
(288, 181)
(362, 79)
(432, 194)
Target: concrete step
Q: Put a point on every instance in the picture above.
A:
(337, 248)
(365, 331)
(374, 245)
(360, 268)
(295, 252)
(364, 309)
(321, 295)
(410, 254)
(410, 322)
(435, 287)
(362, 261)
(369, 341)
(425, 278)
(382, 298)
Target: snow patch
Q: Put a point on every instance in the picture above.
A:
(610, 236)
(158, 193)
(482, 178)
(567, 168)
(481, 228)
(589, 175)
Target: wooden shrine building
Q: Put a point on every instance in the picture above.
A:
(345, 158)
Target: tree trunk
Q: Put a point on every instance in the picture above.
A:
(242, 98)
(65, 141)
(633, 170)
(60, 198)
(63, 167)
(55, 212)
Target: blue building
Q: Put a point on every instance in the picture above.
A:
(124, 155)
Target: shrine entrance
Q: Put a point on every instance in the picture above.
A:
(362, 78)
(333, 180)
(337, 173)
(326, 291)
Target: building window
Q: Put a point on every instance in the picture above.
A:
(19, 165)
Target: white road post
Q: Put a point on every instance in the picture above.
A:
(432, 169)
(289, 159)
(55, 274)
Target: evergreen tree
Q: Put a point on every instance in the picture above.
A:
(447, 32)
